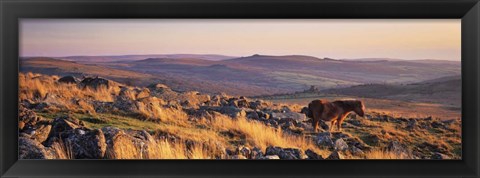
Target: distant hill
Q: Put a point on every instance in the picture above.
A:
(51, 66)
(445, 90)
(99, 59)
(56, 66)
(145, 72)
(263, 74)
(381, 71)
(395, 59)
(184, 61)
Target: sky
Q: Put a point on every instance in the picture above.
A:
(333, 38)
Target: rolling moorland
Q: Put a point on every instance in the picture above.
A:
(246, 76)
(173, 109)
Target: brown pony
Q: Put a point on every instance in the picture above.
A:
(335, 112)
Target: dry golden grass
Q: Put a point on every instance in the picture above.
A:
(62, 150)
(201, 135)
(208, 139)
(153, 110)
(157, 150)
(262, 136)
(87, 106)
(382, 154)
(40, 88)
(166, 150)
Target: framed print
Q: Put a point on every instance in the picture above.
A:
(270, 88)
(230, 104)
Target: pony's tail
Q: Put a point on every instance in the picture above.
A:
(309, 111)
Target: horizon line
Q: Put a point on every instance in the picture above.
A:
(235, 56)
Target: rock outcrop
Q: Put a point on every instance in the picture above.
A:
(94, 83)
(68, 79)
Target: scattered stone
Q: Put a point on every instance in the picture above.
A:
(449, 121)
(411, 125)
(242, 103)
(139, 142)
(312, 155)
(258, 104)
(335, 155)
(27, 117)
(244, 151)
(253, 115)
(292, 153)
(398, 148)
(238, 157)
(286, 125)
(356, 151)
(433, 147)
(437, 124)
(273, 123)
(41, 105)
(273, 150)
(324, 139)
(256, 153)
(228, 110)
(355, 122)
(194, 99)
(41, 132)
(102, 107)
(347, 125)
(87, 144)
(157, 86)
(340, 145)
(120, 145)
(373, 139)
(143, 94)
(94, 83)
(31, 149)
(403, 119)
(288, 115)
(61, 128)
(295, 130)
(384, 132)
(271, 157)
(125, 101)
(263, 114)
(287, 153)
(68, 79)
(440, 156)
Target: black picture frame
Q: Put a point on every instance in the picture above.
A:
(466, 10)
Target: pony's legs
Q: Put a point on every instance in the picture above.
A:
(317, 125)
(315, 121)
(332, 124)
(340, 121)
(314, 124)
(339, 125)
